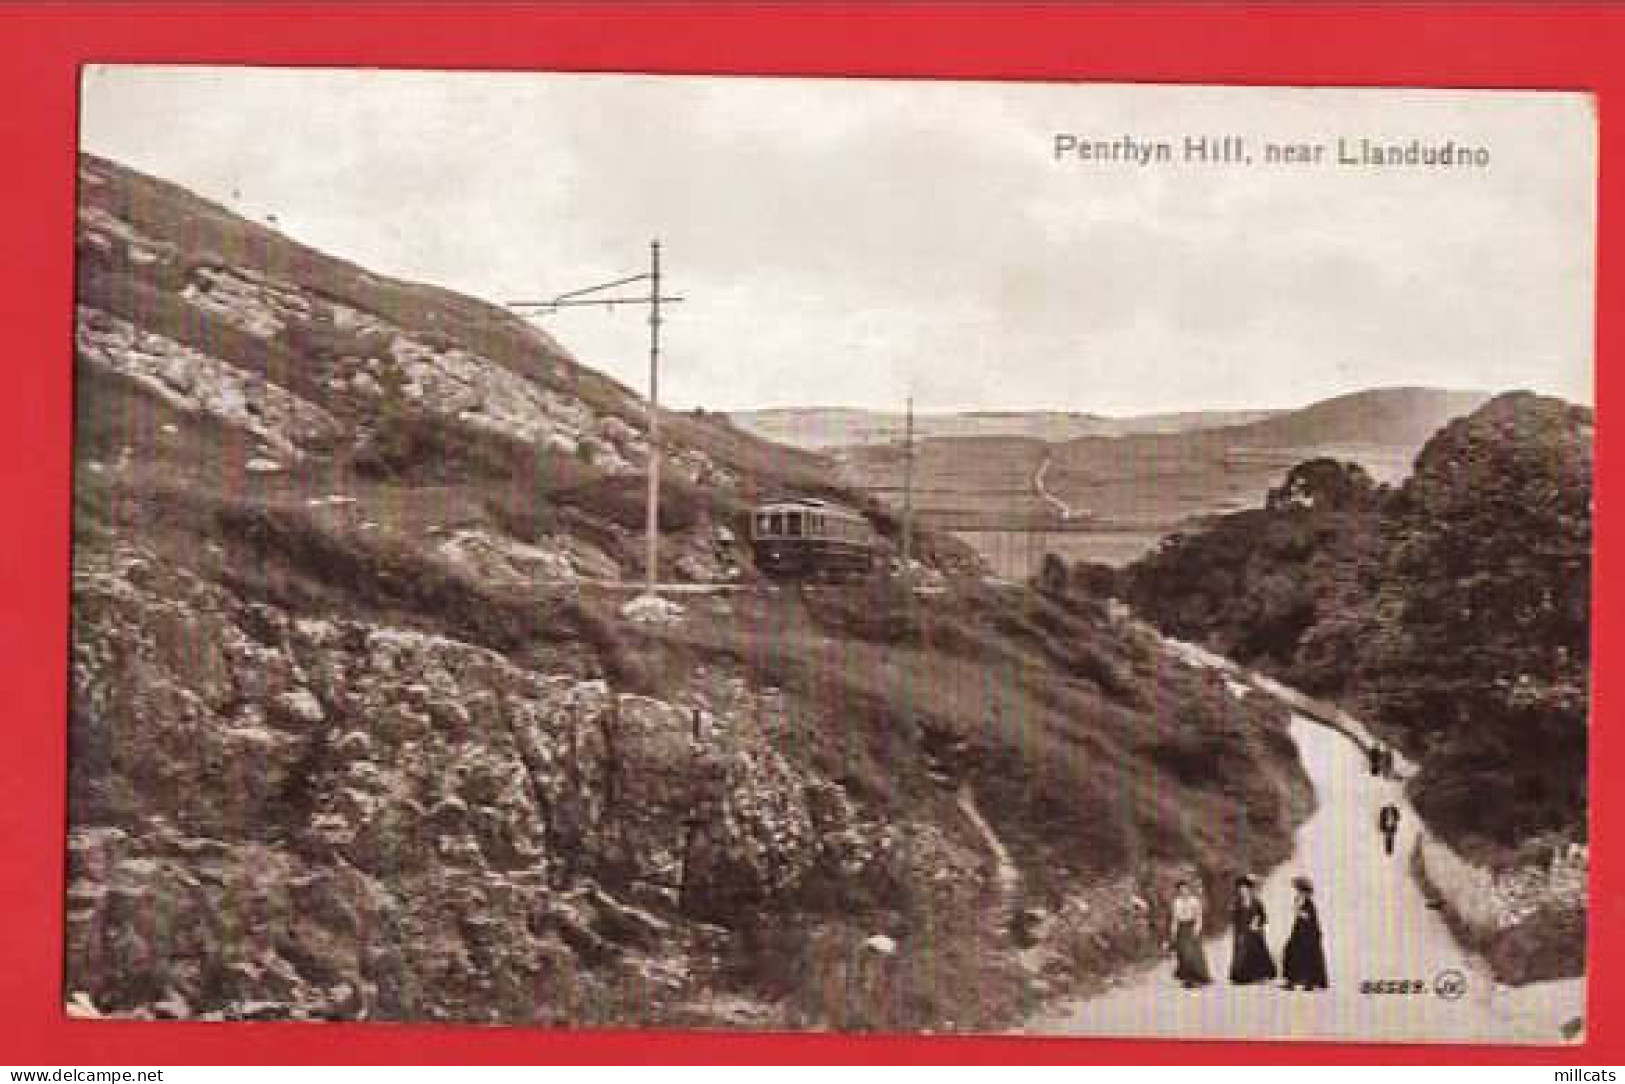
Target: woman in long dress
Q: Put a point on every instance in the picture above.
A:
(1303, 960)
(1190, 963)
(1250, 959)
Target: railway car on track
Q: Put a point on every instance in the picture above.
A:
(806, 538)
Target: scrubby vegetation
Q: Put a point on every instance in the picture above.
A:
(1527, 919)
(1265, 586)
(1453, 612)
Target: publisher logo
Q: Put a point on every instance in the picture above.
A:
(1450, 984)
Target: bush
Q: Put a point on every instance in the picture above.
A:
(1099, 581)
(321, 341)
(880, 609)
(412, 445)
(1548, 944)
(950, 973)
(1053, 577)
(623, 500)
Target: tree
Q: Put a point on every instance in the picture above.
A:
(1487, 582)
(1323, 485)
(1053, 577)
(1455, 611)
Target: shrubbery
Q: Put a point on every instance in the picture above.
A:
(1454, 611)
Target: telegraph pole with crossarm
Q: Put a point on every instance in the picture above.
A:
(586, 298)
(908, 494)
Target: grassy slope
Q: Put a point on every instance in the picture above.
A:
(1093, 752)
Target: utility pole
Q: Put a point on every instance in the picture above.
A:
(583, 298)
(652, 519)
(908, 491)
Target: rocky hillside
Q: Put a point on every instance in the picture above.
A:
(362, 728)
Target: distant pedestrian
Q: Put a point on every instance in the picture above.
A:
(1250, 959)
(1374, 755)
(1185, 932)
(1388, 825)
(1303, 960)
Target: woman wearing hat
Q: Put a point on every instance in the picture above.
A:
(1190, 963)
(1250, 958)
(1303, 960)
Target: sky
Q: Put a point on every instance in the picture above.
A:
(844, 242)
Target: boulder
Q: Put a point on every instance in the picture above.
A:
(652, 610)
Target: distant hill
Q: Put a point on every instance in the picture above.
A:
(1383, 417)
(1111, 496)
(819, 428)
(1107, 489)
(1175, 476)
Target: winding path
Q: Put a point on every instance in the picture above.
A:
(1006, 875)
(1062, 509)
(1378, 926)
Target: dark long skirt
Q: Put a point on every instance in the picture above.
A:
(1190, 962)
(1250, 959)
(1303, 960)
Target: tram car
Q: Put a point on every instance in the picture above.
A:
(802, 537)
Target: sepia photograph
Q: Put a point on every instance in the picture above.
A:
(724, 553)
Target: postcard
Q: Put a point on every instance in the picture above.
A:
(599, 550)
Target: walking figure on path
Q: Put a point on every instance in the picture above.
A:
(1303, 960)
(1250, 959)
(1375, 754)
(1190, 963)
(1388, 825)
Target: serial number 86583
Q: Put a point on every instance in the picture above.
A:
(1393, 986)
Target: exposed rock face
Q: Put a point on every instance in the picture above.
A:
(499, 560)
(360, 353)
(289, 816)
(250, 300)
(456, 382)
(104, 231)
(196, 382)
